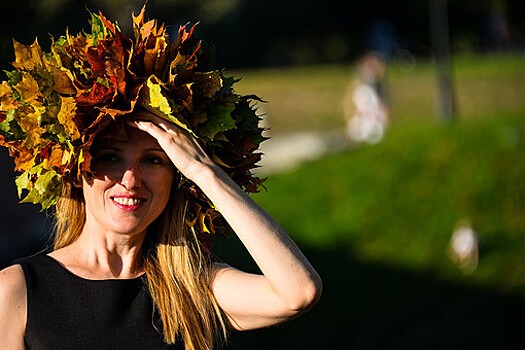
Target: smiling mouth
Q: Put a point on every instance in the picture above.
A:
(128, 202)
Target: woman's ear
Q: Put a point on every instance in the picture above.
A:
(77, 182)
(86, 176)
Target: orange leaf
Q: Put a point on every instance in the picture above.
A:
(25, 159)
(54, 156)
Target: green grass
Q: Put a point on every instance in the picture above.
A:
(398, 202)
(376, 221)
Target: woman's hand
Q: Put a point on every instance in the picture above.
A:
(181, 147)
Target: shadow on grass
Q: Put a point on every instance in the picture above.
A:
(368, 306)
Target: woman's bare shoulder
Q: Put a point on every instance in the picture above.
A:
(12, 285)
(13, 307)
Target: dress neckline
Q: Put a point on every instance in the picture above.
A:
(72, 274)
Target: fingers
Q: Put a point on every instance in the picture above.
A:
(151, 128)
(164, 132)
(181, 147)
(165, 125)
(148, 124)
(155, 119)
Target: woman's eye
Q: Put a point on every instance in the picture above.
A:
(106, 158)
(154, 160)
(157, 159)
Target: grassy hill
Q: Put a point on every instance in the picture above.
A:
(377, 220)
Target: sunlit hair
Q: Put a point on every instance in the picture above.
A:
(70, 216)
(179, 275)
(177, 267)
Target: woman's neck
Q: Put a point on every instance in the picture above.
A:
(102, 256)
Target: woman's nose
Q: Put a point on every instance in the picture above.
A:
(131, 178)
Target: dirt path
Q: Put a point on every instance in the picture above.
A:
(286, 151)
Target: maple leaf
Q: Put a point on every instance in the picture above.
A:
(153, 98)
(206, 85)
(41, 191)
(54, 158)
(28, 88)
(28, 57)
(7, 101)
(65, 117)
(61, 77)
(98, 94)
(25, 158)
(219, 120)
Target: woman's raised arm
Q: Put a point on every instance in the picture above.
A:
(288, 285)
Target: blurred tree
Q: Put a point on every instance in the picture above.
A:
(439, 28)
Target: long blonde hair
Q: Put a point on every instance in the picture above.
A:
(177, 268)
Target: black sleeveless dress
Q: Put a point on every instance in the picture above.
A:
(65, 311)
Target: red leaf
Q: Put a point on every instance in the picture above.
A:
(97, 95)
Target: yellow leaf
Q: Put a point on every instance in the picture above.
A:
(67, 155)
(153, 99)
(157, 99)
(4, 89)
(66, 114)
(7, 102)
(30, 122)
(202, 224)
(28, 89)
(63, 80)
(28, 56)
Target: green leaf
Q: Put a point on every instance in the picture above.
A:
(44, 181)
(22, 182)
(246, 115)
(228, 82)
(10, 129)
(13, 77)
(219, 120)
(45, 190)
(98, 30)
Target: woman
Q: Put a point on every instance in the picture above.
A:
(130, 268)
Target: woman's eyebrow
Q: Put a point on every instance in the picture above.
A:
(104, 147)
(154, 149)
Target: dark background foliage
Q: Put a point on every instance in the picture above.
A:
(254, 33)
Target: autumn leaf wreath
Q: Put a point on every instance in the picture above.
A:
(54, 103)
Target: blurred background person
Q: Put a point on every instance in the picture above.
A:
(364, 105)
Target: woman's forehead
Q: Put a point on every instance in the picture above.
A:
(123, 134)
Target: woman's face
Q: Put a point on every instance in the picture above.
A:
(131, 182)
